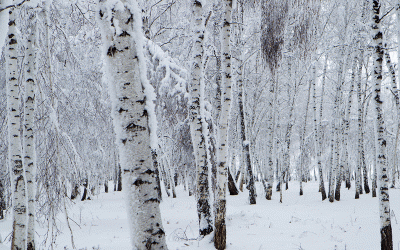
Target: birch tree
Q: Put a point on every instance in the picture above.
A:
(14, 146)
(132, 112)
(384, 206)
(318, 132)
(196, 121)
(222, 153)
(29, 115)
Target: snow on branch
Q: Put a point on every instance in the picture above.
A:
(172, 69)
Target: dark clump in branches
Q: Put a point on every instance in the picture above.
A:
(273, 18)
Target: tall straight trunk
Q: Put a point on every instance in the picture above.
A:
(29, 118)
(286, 151)
(302, 138)
(14, 140)
(318, 132)
(222, 154)
(345, 133)
(196, 122)
(131, 96)
(245, 142)
(335, 132)
(360, 131)
(395, 92)
(384, 205)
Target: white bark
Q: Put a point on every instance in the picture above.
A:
(14, 140)
(125, 72)
(318, 132)
(384, 206)
(222, 150)
(29, 115)
(395, 92)
(196, 122)
(358, 187)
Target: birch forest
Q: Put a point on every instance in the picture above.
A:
(199, 124)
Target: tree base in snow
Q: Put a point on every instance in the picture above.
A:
(386, 238)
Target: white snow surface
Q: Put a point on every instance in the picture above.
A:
(299, 223)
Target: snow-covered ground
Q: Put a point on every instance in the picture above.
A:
(299, 223)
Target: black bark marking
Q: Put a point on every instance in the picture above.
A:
(101, 13)
(132, 127)
(123, 141)
(139, 182)
(152, 200)
(159, 232)
(124, 34)
(111, 51)
(141, 101)
(12, 41)
(149, 171)
(122, 110)
(197, 4)
(130, 19)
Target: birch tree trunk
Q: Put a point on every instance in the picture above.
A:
(19, 202)
(29, 117)
(132, 102)
(318, 132)
(196, 122)
(222, 154)
(359, 134)
(384, 206)
(302, 137)
(395, 92)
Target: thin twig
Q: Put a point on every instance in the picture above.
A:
(13, 5)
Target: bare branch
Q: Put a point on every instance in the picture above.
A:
(13, 5)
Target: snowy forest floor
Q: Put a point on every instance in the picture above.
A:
(298, 223)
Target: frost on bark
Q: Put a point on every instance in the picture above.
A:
(124, 61)
(384, 206)
(222, 153)
(358, 186)
(318, 132)
(14, 141)
(302, 138)
(395, 92)
(29, 115)
(196, 122)
(245, 143)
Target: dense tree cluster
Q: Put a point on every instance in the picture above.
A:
(211, 95)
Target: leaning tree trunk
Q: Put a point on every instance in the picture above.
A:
(384, 206)
(196, 123)
(14, 141)
(222, 154)
(132, 103)
(29, 119)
